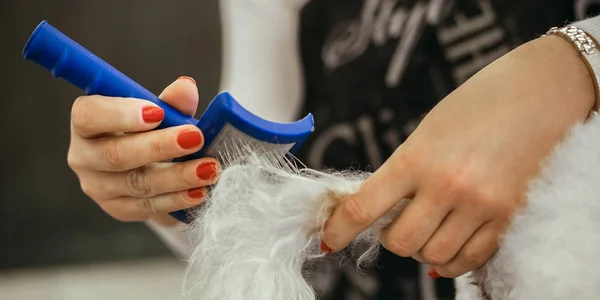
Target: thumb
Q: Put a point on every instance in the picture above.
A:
(378, 194)
(182, 95)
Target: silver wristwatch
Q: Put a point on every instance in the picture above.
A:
(588, 50)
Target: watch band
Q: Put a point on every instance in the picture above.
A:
(588, 50)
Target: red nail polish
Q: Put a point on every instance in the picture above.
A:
(189, 139)
(187, 78)
(152, 114)
(325, 248)
(207, 171)
(433, 273)
(197, 193)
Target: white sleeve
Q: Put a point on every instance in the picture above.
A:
(591, 26)
(260, 69)
(261, 63)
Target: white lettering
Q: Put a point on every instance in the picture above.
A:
(465, 26)
(381, 27)
(412, 33)
(479, 49)
(378, 23)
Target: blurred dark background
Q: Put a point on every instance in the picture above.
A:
(45, 219)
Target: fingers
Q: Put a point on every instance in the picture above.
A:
(448, 239)
(92, 116)
(116, 158)
(128, 209)
(122, 153)
(478, 250)
(182, 95)
(417, 223)
(157, 179)
(377, 195)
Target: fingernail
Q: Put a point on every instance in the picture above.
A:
(433, 273)
(197, 193)
(187, 78)
(325, 248)
(189, 139)
(152, 114)
(207, 171)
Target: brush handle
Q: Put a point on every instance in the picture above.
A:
(66, 59)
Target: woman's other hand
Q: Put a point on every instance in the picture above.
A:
(124, 167)
(467, 165)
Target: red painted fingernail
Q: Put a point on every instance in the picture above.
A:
(433, 273)
(152, 114)
(325, 248)
(197, 193)
(207, 171)
(187, 78)
(189, 139)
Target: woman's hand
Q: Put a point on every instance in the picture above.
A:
(467, 166)
(123, 166)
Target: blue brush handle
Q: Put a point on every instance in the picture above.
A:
(66, 59)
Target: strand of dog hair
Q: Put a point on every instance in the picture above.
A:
(262, 225)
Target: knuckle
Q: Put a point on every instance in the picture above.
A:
(485, 197)
(146, 206)
(398, 247)
(139, 182)
(112, 153)
(157, 148)
(354, 210)
(74, 161)
(463, 184)
(332, 240)
(180, 172)
(89, 190)
(434, 257)
(405, 160)
(458, 182)
(80, 113)
(473, 258)
(178, 200)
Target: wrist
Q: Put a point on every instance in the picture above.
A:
(585, 47)
(558, 67)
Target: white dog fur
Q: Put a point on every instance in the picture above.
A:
(260, 229)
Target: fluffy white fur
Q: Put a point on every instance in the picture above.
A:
(262, 224)
(553, 245)
(263, 221)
